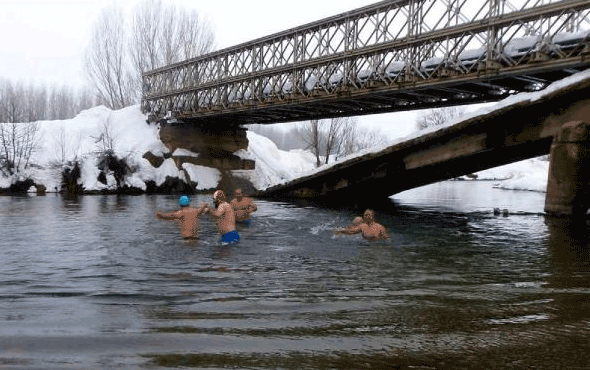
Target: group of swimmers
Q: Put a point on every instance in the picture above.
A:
(238, 211)
(226, 215)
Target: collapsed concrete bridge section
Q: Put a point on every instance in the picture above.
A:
(555, 122)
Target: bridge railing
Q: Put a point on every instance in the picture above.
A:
(390, 43)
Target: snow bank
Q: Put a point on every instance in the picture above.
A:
(273, 165)
(92, 131)
(530, 175)
(206, 177)
(88, 131)
(127, 133)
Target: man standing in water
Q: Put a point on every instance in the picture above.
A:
(225, 218)
(368, 228)
(188, 218)
(243, 207)
(355, 222)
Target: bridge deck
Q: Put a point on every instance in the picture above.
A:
(517, 131)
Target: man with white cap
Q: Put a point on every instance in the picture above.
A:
(188, 218)
(225, 218)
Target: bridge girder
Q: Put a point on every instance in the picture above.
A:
(390, 56)
(512, 133)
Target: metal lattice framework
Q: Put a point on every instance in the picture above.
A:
(393, 55)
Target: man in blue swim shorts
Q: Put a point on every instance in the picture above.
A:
(225, 218)
(231, 237)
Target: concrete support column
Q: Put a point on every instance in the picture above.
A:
(568, 186)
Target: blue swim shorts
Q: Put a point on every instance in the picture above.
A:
(231, 237)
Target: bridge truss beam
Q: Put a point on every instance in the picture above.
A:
(390, 56)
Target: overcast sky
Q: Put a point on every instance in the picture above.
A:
(43, 41)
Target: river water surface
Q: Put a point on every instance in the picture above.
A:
(97, 282)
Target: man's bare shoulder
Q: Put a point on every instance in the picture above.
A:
(190, 210)
(381, 231)
(378, 226)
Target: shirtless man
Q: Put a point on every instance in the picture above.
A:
(188, 218)
(368, 228)
(243, 207)
(355, 222)
(225, 218)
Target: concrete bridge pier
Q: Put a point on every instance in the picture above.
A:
(568, 185)
(214, 144)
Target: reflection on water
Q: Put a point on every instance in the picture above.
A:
(99, 282)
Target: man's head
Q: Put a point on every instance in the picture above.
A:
(369, 216)
(184, 201)
(239, 194)
(357, 221)
(218, 197)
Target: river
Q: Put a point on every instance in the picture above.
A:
(97, 282)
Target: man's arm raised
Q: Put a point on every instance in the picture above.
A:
(349, 230)
(202, 209)
(218, 212)
(168, 216)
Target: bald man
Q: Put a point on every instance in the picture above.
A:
(355, 222)
(243, 207)
(225, 218)
(369, 228)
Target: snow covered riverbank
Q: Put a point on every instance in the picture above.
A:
(87, 137)
(89, 144)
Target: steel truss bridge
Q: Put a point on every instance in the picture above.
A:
(390, 56)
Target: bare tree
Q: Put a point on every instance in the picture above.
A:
(31, 103)
(163, 34)
(291, 140)
(3, 87)
(84, 100)
(159, 35)
(337, 137)
(107, 64)
(13, 103)
(62, 103)
(311, 134)
(35, 102)
(65, 146)
(28, 145)
(358, 138)
(146, 26)
(438, 116)
(6, 165)
(106, 139)
(18, 141)
(335, 134)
